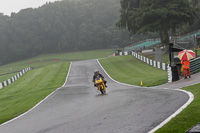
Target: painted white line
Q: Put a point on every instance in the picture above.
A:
(191, 98)
(40, 101)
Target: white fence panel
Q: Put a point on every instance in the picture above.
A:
(9, 81)
(5, 83)
(151, 62)
(147, 60)
(154, 63)
(158, 64)
(13, 79)
(126, 53)
(163, 66)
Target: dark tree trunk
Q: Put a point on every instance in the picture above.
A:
(174, 35)
(161, 36)
(174, 30)
(166, 39)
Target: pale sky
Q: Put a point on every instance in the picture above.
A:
(9, 6)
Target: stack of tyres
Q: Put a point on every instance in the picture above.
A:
(175, 75)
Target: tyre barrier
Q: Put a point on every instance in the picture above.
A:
(14, 78)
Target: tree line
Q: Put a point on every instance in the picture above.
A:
(75, 25)
(161, 16)
(62, 26)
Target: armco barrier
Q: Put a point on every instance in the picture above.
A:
(195, 65)
(14, 78)
(151, 62)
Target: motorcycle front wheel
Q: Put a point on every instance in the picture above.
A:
(101, 89)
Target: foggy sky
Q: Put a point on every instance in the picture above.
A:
(9, 6)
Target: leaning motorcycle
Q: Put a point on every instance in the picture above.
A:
(99, 83)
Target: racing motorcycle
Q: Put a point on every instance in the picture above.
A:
(99, 83)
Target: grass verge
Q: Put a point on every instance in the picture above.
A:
(128, 69)
(49, 59)
(188, 117)
(31, 88)
(81, 55)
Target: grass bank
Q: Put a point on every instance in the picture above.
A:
(49, 59)
(188, 117)
(35, 85)
(31, 88)
(81, 55)
(128, 69)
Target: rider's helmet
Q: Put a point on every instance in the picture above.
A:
(96, 72)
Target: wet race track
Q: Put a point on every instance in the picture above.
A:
(79, 108)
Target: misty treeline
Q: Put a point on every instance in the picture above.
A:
(68, 25)
(162, 16)
(63, 26)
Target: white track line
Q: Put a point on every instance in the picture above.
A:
(191, 98)
(40, 101)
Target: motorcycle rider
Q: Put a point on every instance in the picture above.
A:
(97, 74)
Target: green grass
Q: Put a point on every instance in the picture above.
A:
(31, 88)
(188, 117)
(73, 56)
(35, 85)
(48, 59)
(128, 69)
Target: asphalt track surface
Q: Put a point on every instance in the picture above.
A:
(78, 107)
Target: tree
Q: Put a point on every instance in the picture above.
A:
(141, 16)
(61, 26)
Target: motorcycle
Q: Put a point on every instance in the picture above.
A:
(99, 83)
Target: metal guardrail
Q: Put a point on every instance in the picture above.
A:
(137, 46)
(190, 33)
(184, 38)
(195, 65)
